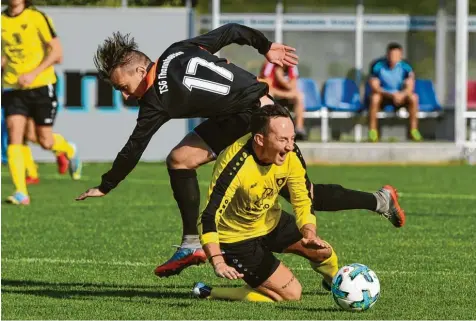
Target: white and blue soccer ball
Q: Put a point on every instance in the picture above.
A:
(355, 287)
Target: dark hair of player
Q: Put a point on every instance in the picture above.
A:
(27, 3)
(261, 117)
(117, 51)
(394, 45)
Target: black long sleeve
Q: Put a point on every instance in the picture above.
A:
(149, 121)
(230, 33)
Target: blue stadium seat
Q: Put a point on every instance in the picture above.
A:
(426, 95)
(341, 94)
(312, 95)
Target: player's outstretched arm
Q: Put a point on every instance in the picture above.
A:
(230, 33)
(92, 192)
(148, 122)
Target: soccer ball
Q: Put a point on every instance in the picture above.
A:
(355, 287)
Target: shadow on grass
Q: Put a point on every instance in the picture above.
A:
(310, 309)
(32, 283)
(92, 290)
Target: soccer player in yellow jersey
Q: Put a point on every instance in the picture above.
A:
(30, 48)
(243, 223)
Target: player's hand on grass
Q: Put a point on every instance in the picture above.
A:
(223, 270)
(282, 55)
(26, 79)
(92, 192)
(314, 243)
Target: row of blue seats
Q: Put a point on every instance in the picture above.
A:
(342, 94)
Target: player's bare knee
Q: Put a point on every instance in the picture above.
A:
(46, 142)
(31, 137)
(414, 99)
(181, 159)
(173, 161)
(293, 292)
(375, 99)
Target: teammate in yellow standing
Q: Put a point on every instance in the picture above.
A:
(30, 48)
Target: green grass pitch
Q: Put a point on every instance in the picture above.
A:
(63, 259)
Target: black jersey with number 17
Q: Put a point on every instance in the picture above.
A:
(188, 81)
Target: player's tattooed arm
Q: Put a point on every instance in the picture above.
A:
(230, 33)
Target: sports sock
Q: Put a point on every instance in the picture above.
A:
(30, 165)
(332, 197)
(187, 195)
(244, 293)
(327, 268)
(61, 145)
(382, 202)
(16, 163)
(191, 242)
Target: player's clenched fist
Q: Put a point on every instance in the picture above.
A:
(223, 270)
(92, 192)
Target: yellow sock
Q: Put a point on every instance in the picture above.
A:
(16, 163)
(327, 268)
(61, 145)
(30, 165)
(244, 293)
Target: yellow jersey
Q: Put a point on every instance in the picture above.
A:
(243, 195)
(24, 39)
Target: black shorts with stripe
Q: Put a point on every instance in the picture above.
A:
(38, 103)
(254, 257)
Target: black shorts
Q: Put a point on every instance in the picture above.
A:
(38, 103)
(254, 257)
(218, 134)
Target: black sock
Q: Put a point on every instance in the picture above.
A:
(332, 197)
(184, 184)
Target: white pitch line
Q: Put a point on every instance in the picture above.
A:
(73, 261)
(138, 264)
(205, 183)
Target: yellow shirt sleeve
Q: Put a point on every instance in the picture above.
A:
(45, 26)
(299, 191)
(223, 186)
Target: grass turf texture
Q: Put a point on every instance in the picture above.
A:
(63, 259)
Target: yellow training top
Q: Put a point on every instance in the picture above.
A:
(242, 201)
(24, 39)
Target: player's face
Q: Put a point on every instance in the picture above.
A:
(130, 81)
(394, 56)
(279, 141)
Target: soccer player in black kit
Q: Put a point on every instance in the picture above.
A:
(188, 81)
